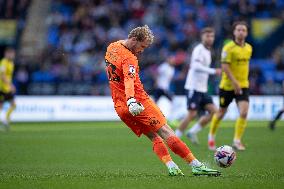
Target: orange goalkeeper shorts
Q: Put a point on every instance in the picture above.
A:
(150, 120)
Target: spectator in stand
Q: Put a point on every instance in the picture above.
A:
(79, 31)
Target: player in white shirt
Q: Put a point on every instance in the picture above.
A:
(165, 74)
(197, 86)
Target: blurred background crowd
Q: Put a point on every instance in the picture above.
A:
(71, 61)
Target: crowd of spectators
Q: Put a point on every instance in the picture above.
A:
(80, 30)
(13, 9)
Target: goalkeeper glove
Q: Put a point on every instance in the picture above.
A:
(135, 108)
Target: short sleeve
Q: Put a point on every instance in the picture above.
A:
(2, 67)
(251, 50)
(226, 56)
(196, 55)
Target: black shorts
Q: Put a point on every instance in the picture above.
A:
(6, 96)
(161, 92)
(226, 97)
(198, 100)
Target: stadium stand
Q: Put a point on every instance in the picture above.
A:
(72, 62)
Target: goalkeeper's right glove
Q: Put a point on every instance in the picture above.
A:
(135, 108)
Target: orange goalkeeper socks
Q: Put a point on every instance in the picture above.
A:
(180, 148)
(161, 150)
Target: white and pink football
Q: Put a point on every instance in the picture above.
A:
(224, 156)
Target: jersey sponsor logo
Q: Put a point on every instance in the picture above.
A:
(241, 61)
(197, 60)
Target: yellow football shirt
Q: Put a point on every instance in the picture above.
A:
(6, 68)
(238, 59)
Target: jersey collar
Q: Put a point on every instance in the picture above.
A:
(239, 44)
(127, 48)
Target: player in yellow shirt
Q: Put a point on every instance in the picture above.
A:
(234, 84)
(7, 89)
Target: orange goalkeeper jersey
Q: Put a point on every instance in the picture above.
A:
(123, 74)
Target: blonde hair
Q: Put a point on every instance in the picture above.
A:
(142, 33)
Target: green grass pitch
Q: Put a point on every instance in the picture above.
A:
(108, 155)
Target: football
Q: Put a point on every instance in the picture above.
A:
(224, 156)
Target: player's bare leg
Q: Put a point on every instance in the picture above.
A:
(191, 114)
(181, 149)
(161, 150)
(215, 122)
(240, 125)
(201, 123)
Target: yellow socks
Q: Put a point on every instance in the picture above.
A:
(9, 112)
(240, 128)
(215, 122)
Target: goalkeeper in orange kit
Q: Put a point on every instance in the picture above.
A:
(134, 106)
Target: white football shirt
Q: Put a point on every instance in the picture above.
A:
(197, 77)
(165, 76)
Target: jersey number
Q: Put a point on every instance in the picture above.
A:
(110, 68)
